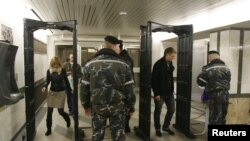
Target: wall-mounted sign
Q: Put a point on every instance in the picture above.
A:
(6, 34)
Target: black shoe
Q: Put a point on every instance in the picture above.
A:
(169, 131)
(158, 133)
(127, 129)
(48, 132)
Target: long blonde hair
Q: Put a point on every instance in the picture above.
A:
(55, 61)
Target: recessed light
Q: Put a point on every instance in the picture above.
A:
(123, 13)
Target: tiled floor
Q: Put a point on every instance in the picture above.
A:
(61, 133)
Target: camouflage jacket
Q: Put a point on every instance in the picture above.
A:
(215, 76)
(107, 83)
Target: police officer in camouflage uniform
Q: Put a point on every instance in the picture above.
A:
(107, 91)
(215, 77)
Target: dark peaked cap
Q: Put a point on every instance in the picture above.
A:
(112, 39)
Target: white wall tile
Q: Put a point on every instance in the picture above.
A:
(245, 85)
(229, 53)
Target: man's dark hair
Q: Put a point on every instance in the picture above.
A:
(213, 52)
(67, 60)
(169, 50)
(121, 45)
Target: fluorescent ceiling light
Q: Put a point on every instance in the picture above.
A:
(123, 13)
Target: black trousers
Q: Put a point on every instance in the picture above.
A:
(70, 101)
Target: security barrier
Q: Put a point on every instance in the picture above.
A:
(184, 77)
(29, 27)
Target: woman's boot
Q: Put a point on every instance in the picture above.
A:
(65, 117)
(49, 124)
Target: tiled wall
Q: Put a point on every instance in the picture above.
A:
(199, 51)
(229, 53)
(245, 85)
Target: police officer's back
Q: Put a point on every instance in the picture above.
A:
(107, 90)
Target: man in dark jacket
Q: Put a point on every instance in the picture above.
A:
(127, 59)
(107, 91)
(216, 77)
(163, 88)
(68, 66)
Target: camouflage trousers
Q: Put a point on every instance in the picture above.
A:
(218, 105)
(116, 121)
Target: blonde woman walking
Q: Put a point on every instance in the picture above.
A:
(57, 78)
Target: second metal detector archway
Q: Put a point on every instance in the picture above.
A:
(29, 27)
(184, 77)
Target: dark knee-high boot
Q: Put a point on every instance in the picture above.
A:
(65, 117)
(49, 124)
(49, 121)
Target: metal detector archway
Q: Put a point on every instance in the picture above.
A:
(184, 77)
(29, 27)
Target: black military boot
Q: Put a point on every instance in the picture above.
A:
(65, 117)
(127, 128)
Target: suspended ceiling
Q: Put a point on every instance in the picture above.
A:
(102, 17)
